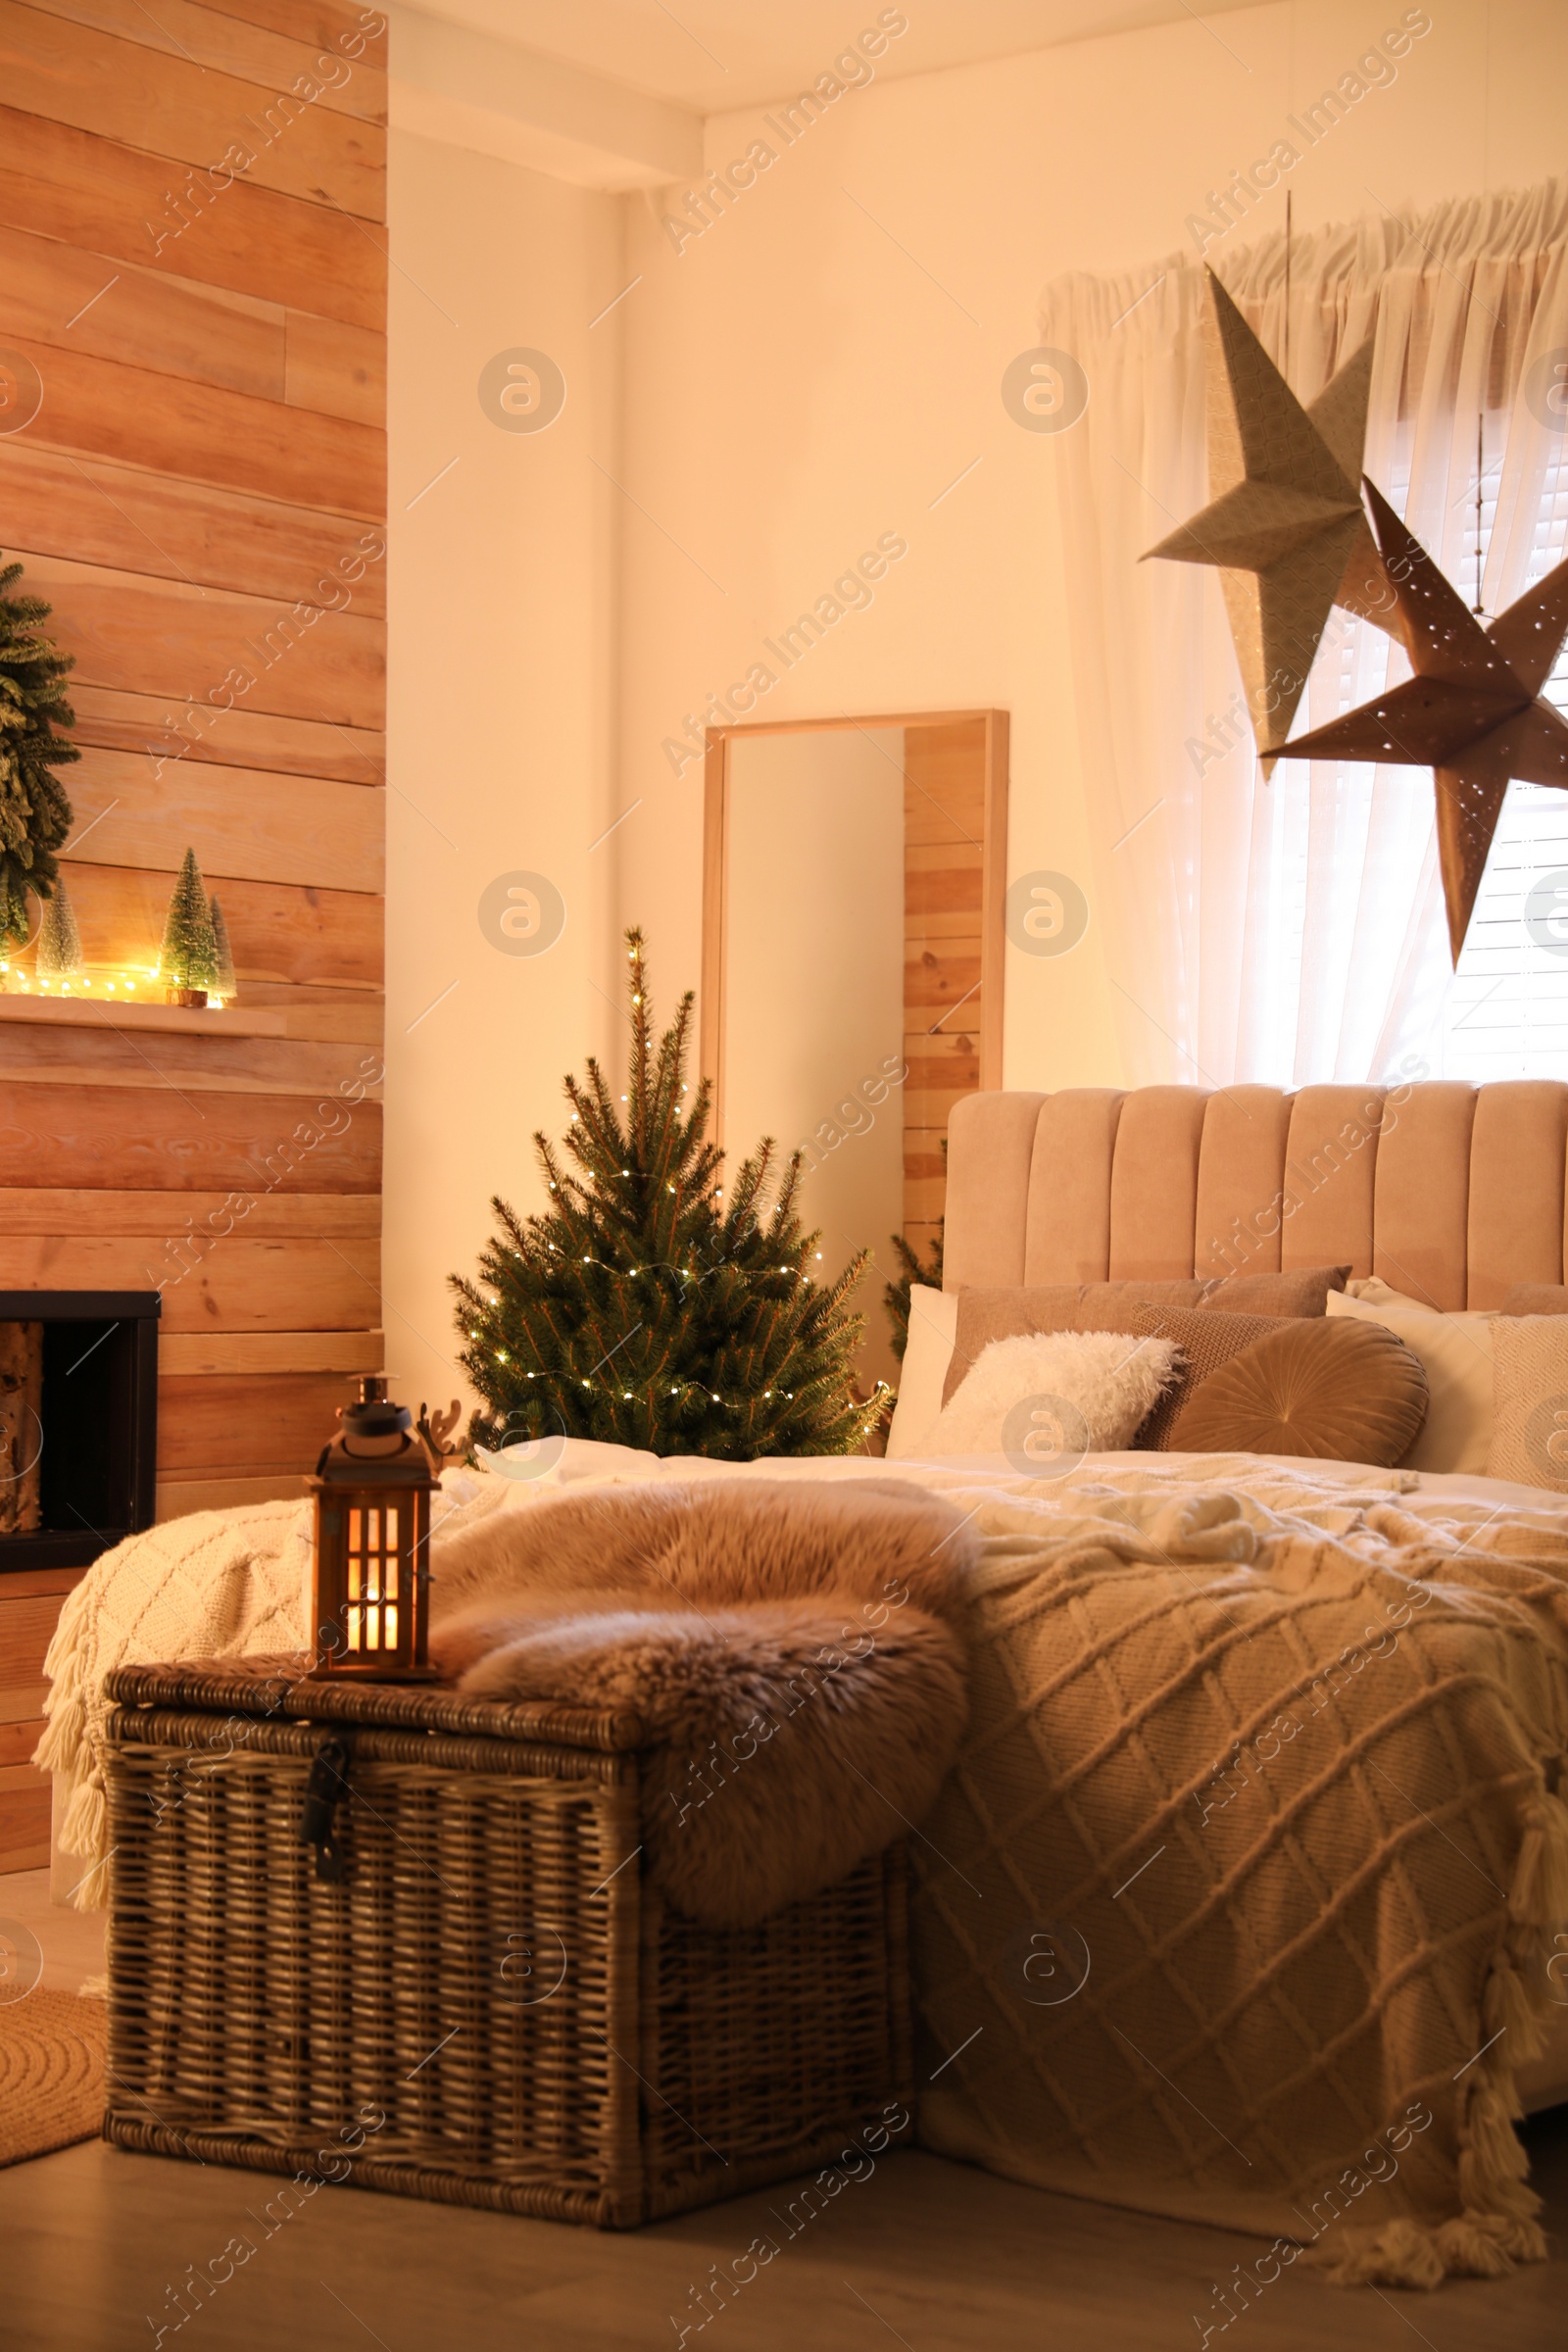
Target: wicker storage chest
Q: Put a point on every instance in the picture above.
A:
(492, 1975)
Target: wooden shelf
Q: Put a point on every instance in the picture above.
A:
(113, 1012)
(355, 1021)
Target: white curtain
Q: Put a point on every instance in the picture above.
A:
(1290, 931)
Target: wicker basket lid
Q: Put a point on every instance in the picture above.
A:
(276, 1687)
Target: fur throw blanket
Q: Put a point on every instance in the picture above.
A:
(796, 1651)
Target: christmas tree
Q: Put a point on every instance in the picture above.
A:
(188, 957)
(638, 1307)
(35, 814)
(59, 953)
(223, 983)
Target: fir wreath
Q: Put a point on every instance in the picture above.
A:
(641, 1310)
(35, 814)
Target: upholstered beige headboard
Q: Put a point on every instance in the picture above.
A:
(1447, 1191)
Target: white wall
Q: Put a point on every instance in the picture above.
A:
(822, 362)
(502, 653)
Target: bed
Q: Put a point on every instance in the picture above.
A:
(1446, 1193)
(1369, 1981)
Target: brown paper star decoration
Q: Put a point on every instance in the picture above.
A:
(1285, 526)
(1472, 712)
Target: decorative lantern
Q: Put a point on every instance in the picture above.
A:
(373, 1488)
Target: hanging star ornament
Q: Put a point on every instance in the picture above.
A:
(1472, 712)
(1285, 526)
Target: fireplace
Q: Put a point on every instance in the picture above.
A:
(78, 1423)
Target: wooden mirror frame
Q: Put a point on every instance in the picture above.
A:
(935, 890)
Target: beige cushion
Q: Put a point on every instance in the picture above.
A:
(1304, 1292)
(1206, 1342)
(1383, 1294)
(985, 1315)
(1530, 1391)
(1455, 1352)
(1537, 1298)
(1338, 1390)
(933, 1318)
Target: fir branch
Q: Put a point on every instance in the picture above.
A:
(35, 815)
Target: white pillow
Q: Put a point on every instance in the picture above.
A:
(932, 1334)
(1455, 1352)
(1375, 1292)
(1530, 1398)
(1046, 1398)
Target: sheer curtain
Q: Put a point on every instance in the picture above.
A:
(1290, 931)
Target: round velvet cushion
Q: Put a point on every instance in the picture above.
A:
(1340, 1390)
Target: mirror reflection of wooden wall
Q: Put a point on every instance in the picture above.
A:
(954, 845)
(802, 945)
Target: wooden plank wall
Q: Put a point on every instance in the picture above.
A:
(193, 270)
(30, 1604)
(944, 860)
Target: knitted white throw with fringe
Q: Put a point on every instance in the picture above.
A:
(1248, 1892)
(216, 1585)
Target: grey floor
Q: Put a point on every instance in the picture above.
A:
(928, 2254)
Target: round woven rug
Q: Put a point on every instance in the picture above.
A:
(53, 2048)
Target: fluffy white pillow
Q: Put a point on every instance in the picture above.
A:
(1046, 1398)
(933, 1332)
(1455, 1352)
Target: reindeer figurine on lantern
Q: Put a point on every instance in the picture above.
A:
(371, 1588)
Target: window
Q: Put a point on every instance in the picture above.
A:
(1506, 1014)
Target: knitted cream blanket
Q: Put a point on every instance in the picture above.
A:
(216, 1585)
(1249, 1890)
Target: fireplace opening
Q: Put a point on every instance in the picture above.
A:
(78, 1423)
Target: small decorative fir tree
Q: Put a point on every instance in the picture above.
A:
(639, 1309)
(188, 957)
(35, 814)
(59, 953)
(224, 982)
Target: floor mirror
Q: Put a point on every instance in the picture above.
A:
(853, 877)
